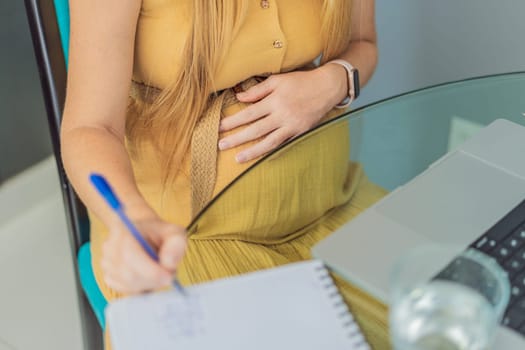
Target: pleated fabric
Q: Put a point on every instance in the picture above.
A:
(273, 214)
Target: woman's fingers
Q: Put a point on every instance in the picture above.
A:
(172, 251)
(258, 91)
(252, 132)
(246, 116)
(146, 271)
(129, 269)
(171, 242)
(270, 142)
(254, 111)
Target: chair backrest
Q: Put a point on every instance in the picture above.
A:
(49, 24)
(62, 16)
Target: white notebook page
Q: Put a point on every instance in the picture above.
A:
(290, 307)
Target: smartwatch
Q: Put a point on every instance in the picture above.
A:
(352, 82)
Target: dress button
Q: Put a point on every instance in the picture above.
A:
(265, 4)
(277, 44)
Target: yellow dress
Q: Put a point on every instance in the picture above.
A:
(275, 214)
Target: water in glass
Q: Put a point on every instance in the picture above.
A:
(442, 315)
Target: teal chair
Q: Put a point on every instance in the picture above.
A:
(49, 24)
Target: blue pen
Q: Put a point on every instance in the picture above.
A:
(105, 190)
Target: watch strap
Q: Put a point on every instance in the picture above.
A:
(352, 82)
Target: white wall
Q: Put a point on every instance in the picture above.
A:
(426, 42)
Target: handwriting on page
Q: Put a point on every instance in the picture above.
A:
(178, 317)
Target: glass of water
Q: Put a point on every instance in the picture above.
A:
(447, 299)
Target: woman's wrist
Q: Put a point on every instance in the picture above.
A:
(336, 76)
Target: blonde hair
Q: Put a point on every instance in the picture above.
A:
(175, 112)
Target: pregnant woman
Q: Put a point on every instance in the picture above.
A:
(171, 100)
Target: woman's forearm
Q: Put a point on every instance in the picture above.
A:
(362, 55)
(362, 48)
(96, 149)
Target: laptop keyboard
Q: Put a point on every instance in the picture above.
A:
(505, 242)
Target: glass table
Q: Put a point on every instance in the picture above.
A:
(390, 141)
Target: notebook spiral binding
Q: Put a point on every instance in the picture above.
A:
(347, 321)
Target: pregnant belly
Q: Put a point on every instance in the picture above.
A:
(276, 198)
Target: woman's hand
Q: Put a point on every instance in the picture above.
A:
(284, 106)
(129, 269)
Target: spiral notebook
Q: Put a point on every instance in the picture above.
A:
(296, 306)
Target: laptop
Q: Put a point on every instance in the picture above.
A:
(472, 197)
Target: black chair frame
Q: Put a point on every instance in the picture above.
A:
(53, 76)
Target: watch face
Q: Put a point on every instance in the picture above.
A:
(357, 89)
